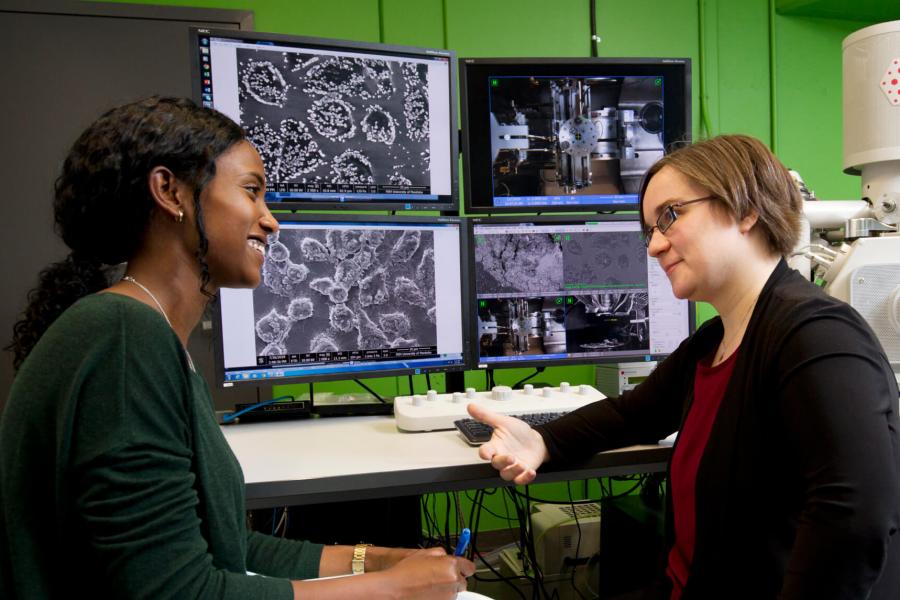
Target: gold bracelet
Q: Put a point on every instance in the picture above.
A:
(358, 564)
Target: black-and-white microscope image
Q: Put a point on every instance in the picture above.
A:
(519, 263)
(336, 120)
(521, 326)
(608, 322)
(613, 260)
(339, 290)
(607, 275)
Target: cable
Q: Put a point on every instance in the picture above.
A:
(370, 390)
(229, 417)
(515, 492)
(428, 380)
(578, 543)
(609, 493)
(506, 518)
(537, 371)
(526, 541)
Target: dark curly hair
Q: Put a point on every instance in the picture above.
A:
(103, 203)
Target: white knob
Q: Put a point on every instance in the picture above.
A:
(432, 395)
(418, 400)
(584, 390)
(471, 393)
(529, 389)
(458, 397)
(547, 392)
(501, 392)
(564, 387)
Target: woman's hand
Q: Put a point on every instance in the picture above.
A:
(428, 575)
(515, 449)
(416, 575)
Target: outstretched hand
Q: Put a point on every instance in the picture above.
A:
(515, 449)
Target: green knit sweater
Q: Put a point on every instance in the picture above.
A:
(115, 480)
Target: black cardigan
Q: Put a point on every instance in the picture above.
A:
(798, 489)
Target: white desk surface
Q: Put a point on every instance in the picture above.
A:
(327, 459)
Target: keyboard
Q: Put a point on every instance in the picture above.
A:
(476, 433)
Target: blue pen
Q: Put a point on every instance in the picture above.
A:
(463, 542)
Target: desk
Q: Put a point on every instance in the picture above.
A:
(316, 461)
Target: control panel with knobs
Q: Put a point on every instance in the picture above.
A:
(433, 411)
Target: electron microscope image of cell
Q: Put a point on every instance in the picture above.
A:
(300, 308)
(288, 152)
(408, 291)
(313, 250)
(341, 318)
(373, 289)
(322, 342)
(415, 102)
(518, 263)
(278, 252)
(319, 119)
(283, 276)
(300, 152)
(332, 118)
(394, 324)
(406, 246)
(379, 125)
(336, 74)
(322, 285)
(273, 327)
(336, 290)
(351, 167)
(612, 259)
(262, 81)
(269, 143)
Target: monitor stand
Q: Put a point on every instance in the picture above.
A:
(368, 403)
(326, 404)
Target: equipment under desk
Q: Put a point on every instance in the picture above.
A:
(322, 460)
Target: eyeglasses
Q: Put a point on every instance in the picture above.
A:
(669, 216)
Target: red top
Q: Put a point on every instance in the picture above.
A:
(709, 388)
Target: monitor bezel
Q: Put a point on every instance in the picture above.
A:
(474, 342)
(350, 218)
(446, 204)
(470, 68)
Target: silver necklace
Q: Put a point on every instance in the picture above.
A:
(162, 311)
(723, 348)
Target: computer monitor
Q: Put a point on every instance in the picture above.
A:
(559, 289)
(347, 297)
(338, 124)
(568, 134)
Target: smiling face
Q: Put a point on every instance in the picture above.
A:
(236, 219)
(699, 251)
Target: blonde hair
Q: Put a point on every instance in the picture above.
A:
(744, 176)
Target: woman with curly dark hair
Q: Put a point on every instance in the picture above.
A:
(114, 476)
